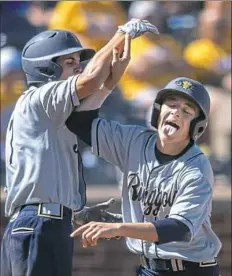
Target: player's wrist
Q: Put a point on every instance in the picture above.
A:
(118, 226)
(105, 89)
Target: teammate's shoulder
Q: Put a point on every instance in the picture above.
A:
(145, 131)
(137, 131)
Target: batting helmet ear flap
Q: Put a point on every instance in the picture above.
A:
(197, 128)
(44, 70)
(155, 115)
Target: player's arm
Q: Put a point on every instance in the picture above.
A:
(93, 231)
(59, 99)
(98, 69)
(80, 121)
(192, 205)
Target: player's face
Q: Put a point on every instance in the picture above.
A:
(70, 65)
(175, 117)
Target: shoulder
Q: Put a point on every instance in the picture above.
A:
(144, 133)
(142, 138)
(197, 166)
(53, 86)
(134, 132)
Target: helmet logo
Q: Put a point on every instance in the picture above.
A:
(184, 84)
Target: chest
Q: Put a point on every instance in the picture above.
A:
(153, 189)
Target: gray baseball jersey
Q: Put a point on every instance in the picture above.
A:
(180, 189)
(41, 163)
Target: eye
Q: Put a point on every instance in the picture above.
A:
(69, 61)
(186, 111)
(171, 104)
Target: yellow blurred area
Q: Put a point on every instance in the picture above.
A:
(204, 53)
(149, 46)
(94, 22)
(15, 89)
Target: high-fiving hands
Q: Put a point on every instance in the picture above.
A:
(120, 61)
(121, 55)
(138, 27)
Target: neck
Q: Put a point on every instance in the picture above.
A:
(171, 148)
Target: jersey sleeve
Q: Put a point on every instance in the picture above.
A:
(56, 99)
(193, 200)
(111, 141)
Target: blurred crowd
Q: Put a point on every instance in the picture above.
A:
(194, 41)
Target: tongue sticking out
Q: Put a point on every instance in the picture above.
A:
(169, 130)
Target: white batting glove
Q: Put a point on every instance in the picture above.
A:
(96, 213)
(138, 27)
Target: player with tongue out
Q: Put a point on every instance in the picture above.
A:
(167, 184)
(176, 114)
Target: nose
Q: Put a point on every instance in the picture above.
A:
(175, 112)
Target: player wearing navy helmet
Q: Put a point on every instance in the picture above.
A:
(167, 184)
(42, 180)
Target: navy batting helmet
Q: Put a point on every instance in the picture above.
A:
(39, 53)
(195, 92)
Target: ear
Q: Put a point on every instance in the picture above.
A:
(155, 115)
(197, 128)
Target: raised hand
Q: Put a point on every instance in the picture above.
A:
(119, 64)
(138, 27)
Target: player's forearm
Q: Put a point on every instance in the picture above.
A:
(98, 69)
(95, 100)
(142, 231)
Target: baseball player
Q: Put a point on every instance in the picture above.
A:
(41, 153)
(167, 184)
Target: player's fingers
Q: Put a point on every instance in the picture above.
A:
(127, 47)
(152, 28)
(95, 238)
(86, 236)
(79, 230)
(115, 55)
(84, 243)
(92, 237)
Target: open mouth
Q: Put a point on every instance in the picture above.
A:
(172, 124)
(170, 127)
(78, 70)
